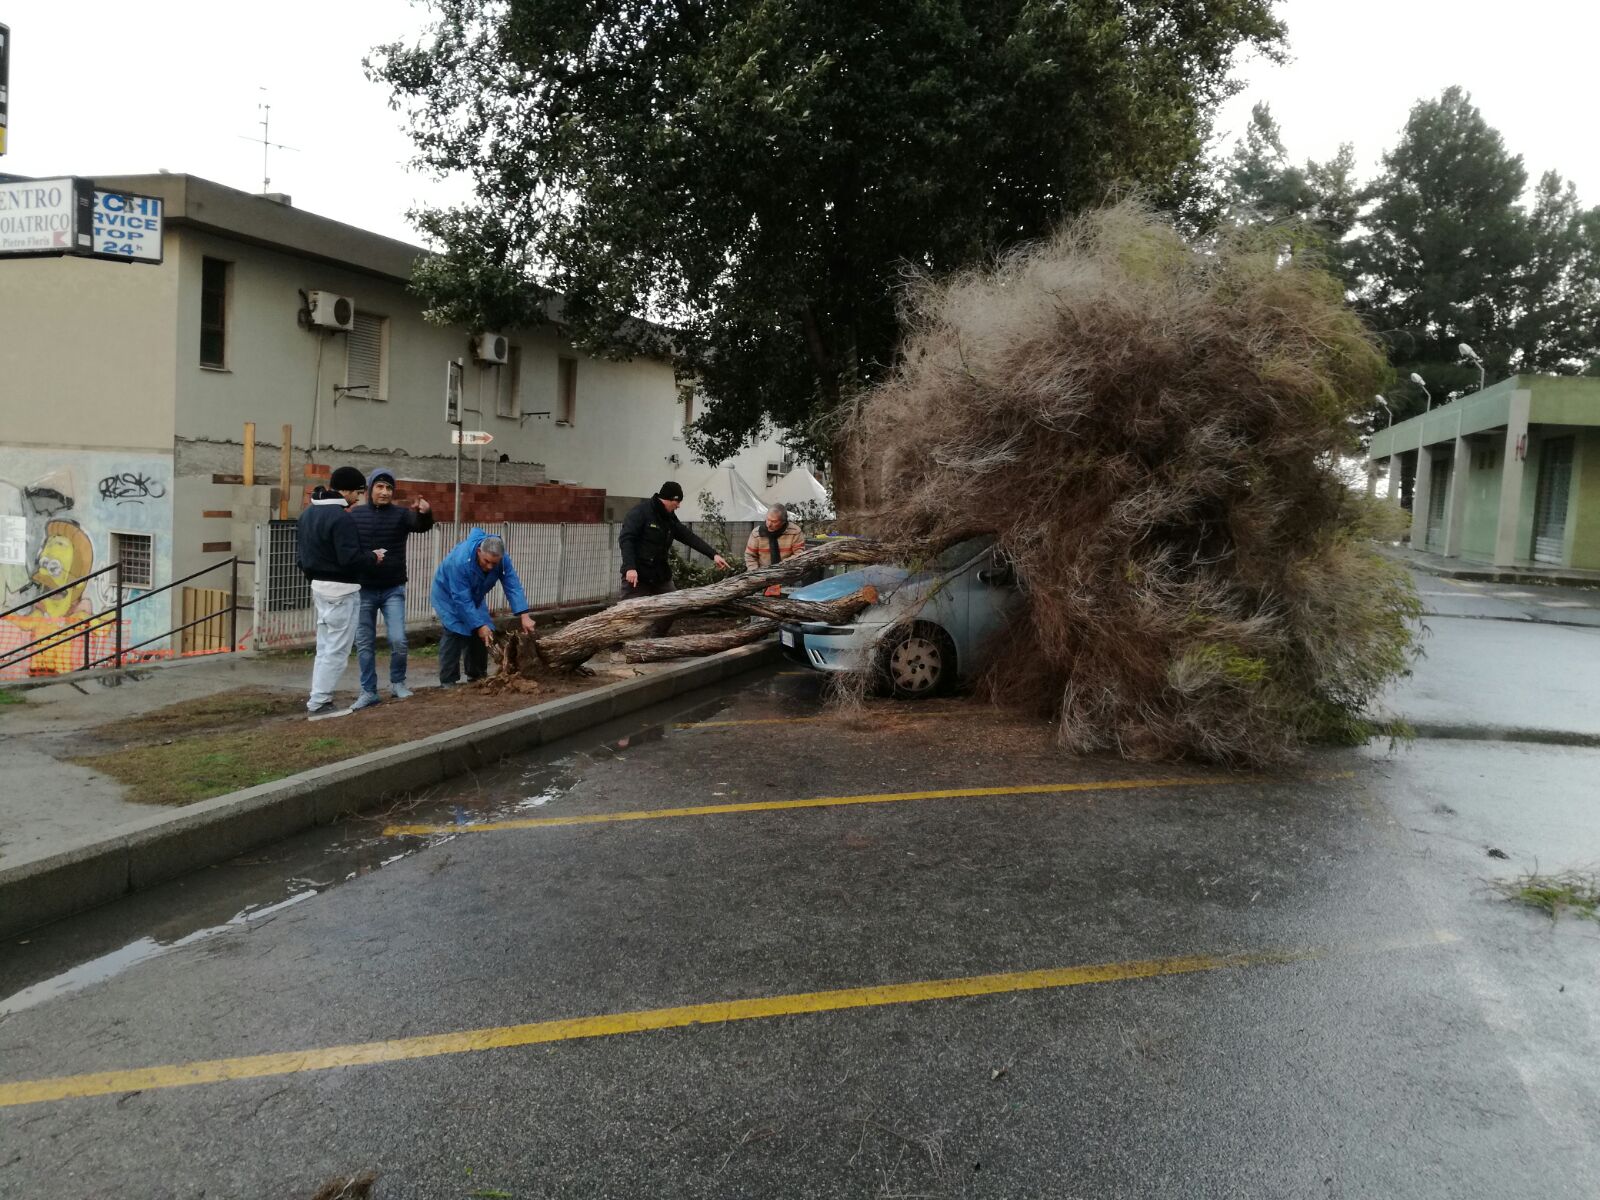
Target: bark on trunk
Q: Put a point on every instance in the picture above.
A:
(660, 649)
(782, 608)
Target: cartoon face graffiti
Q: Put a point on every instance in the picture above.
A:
(65, 555)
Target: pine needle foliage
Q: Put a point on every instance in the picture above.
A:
(1152, 429)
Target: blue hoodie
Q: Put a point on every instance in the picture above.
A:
(461, 586)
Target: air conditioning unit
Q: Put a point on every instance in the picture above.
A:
(332, 312)
(491, 348)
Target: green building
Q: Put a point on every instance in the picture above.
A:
(1509, 475)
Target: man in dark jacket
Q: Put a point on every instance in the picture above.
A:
(646, 538)
(329, 552)
(385, 525)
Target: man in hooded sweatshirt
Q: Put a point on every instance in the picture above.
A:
(329, 551)
(385, 525)
(461, 587)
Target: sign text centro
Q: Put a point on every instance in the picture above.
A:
(36, 215)
(127, 226)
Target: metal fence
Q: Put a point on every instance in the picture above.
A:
(560, 566)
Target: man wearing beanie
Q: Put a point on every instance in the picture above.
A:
(384, 525)
(648, 532)
(329, 552)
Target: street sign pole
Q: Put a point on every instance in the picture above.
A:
(455, 377)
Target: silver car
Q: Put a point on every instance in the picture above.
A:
(928, 629)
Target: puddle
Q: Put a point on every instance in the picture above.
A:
(73, 954)
(134, 953)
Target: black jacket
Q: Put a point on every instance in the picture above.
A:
(387, 528)
(328, 546)
(647, 534)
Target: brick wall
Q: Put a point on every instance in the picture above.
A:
(544, 503)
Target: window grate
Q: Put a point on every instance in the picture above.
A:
(214, 312)
(136, 553)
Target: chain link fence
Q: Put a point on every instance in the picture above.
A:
(560, 566)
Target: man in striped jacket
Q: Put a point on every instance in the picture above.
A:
(775, 540)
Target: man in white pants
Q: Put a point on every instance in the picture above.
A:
(329, 552)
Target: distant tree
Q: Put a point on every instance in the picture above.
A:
(1445, 250)
(1556, 323)
(759, 176)
(1317, 203)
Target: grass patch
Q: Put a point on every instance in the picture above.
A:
(1575, 892)
(210, 764)
(8, 696)
(242, 706)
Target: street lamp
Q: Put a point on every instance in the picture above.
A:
(1418, 380)
(1468, 354)
(1385, 406)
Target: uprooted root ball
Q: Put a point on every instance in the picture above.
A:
(1152, 429)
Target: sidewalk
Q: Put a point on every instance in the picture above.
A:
(1458, 568)
(70, 839)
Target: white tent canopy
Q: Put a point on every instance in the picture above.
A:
(799, 486)
(736, 498)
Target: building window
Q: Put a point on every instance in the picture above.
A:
(686, 418)
(508, 385)
(777, 470)
(366, 369)
(566, 391)
(214, 276)
(136, 553)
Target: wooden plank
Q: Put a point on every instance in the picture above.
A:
(225, 513)
(283, 472)
(249, 450)
(216, 547)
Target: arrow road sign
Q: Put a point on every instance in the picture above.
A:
(470, 437)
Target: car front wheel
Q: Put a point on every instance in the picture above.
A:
(917, 662)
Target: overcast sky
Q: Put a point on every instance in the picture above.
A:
(113, 88)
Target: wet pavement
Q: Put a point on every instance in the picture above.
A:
(1301, 983)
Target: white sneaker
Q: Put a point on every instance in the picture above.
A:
(366, 700)
(401, 691)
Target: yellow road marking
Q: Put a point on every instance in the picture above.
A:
(261, 1066)
(710, 810)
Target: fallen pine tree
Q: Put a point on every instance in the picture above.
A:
(1152, 429)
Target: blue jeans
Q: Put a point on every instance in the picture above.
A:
(392, 603)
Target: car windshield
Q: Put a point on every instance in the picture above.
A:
(954, 556)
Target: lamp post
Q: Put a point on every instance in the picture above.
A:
(1418, 380)
(1468, 354)
(1384, 404)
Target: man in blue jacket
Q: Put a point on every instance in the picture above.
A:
(461, 586)
(329, 552)
(385, 525)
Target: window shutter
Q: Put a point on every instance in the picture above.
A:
(364, 356)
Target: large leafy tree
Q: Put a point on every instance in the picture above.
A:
(757, 176)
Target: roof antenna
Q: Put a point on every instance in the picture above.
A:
(266, 142)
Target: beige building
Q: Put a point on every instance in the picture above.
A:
(125, 390)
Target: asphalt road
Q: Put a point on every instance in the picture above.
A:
(1146, 981)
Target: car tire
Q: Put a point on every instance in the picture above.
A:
(917, 662)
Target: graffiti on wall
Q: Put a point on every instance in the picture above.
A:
(59, 524)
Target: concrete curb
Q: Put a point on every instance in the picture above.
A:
(165, 845)
(1479, 573)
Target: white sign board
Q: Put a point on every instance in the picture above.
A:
(13, 541)
(127, 226)
(36, 216)
(470, 437)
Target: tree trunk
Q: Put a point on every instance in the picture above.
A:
(782, 608)
(659, 649)
(573, 644)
